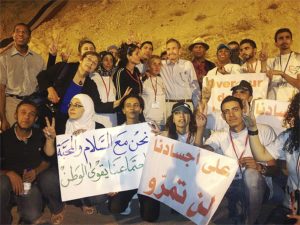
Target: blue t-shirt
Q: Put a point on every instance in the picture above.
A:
(72, 90)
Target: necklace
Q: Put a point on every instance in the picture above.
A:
(80, 83)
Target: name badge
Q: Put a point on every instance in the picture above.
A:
(155, 105)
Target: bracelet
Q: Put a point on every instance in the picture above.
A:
(252, 133)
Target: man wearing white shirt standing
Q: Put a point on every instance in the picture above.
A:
(285, 68)
(19, 67)
(179, 77)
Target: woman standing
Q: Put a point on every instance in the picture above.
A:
(128, 75)
(106, 87)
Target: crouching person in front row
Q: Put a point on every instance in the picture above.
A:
(26, 178)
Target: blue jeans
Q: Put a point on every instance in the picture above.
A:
(48, 182)
(249, 192)
(30, 206)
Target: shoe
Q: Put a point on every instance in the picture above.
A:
(58, 218)
(127, 211)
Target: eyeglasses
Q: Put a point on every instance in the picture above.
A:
(75, 105)
(91, 61)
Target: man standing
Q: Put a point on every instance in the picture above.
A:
(224, 65)
(23, 165)
(249, 186)
(179, 77)
(285, 68)
(200, 63)
(235, 52)
(248, 52)
(145, 53)
(19, 67)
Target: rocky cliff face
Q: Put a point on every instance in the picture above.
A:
(109, 22)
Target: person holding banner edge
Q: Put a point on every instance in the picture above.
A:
(249, 185)
(285, 147)
(132, 107)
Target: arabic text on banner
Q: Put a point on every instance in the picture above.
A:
(270, 112)
(102, 161)
(190, 180)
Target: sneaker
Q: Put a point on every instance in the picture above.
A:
(127, 211)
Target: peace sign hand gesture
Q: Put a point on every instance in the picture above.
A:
(201, 115)
(248, 115)
(49, 130)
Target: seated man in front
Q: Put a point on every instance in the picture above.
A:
(25, 177)
(248, 187)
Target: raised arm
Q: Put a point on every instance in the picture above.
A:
(258, 150)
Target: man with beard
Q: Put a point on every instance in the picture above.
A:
(19, 67)
(200, 63)
(285, 68)
(248, 52)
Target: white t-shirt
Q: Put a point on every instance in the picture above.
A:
(107, 93)
(279, 88)
(155, 100)
(220, 141)
(276, 150)
(255, 65)
(230, 68)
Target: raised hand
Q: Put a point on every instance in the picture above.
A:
(127, 92)
(66, 55)
(201, 115)
(53, 47)
(263, 54)
(49, 130)
(248, 115)
(206, 91)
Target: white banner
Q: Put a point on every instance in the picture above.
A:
(270, 112)
(190, 180)
(223, 83)
(102, 161)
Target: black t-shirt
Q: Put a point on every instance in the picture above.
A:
(18, 155)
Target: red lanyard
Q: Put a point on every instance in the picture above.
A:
(106, 91)
(286, 63)
(135, 79)
(233, 146)
(154, 89)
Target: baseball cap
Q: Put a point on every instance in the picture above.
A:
(181, 106)
(243, 85)
(221, 46)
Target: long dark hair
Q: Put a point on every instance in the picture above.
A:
(126, 49)
(171, 127)
(292, 121)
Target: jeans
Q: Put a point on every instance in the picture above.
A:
(249, 192)
(48, 182)
(30, 206)
(149, 208)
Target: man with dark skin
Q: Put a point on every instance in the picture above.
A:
(198, 49)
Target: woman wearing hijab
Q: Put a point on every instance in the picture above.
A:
(81, 118)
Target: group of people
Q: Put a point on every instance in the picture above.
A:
(129, 85)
